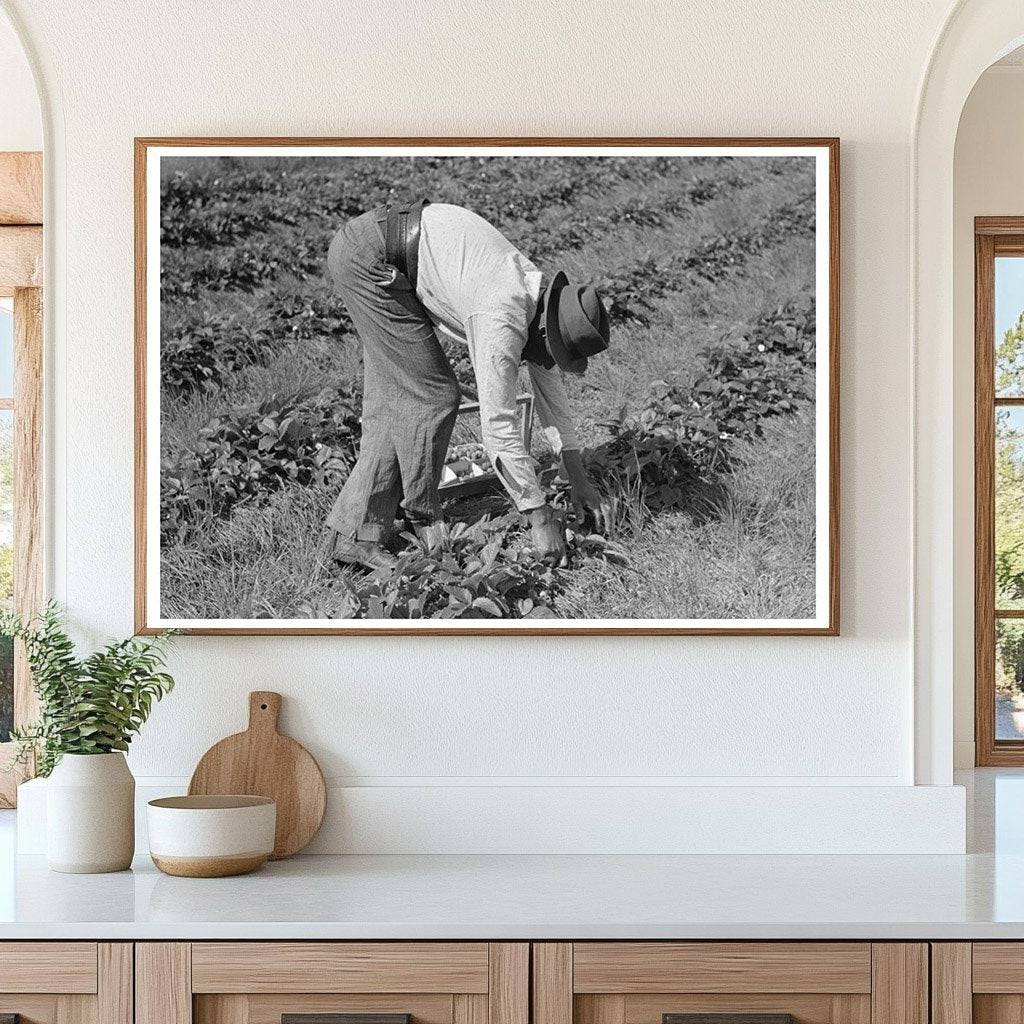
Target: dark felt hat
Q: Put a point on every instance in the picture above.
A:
(575, 323)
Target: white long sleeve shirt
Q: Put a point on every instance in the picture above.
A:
(479, 290)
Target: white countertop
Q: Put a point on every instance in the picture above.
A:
(532, 897)
(978, 896)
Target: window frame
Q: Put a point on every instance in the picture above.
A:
(21, 252)
(993, 237)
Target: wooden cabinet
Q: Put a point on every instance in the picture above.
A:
(66, 982)
(647, 982)
(980, 982)
(494, 983)
(260, 982)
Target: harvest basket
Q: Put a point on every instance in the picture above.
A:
(468, 468)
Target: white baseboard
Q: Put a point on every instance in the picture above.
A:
(600, 819)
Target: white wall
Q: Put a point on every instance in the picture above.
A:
(397, 713)
(988, 181)
(21, 125)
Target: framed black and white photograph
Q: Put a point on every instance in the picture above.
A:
(532, 386)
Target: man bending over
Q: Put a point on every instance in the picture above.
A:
(407, 274)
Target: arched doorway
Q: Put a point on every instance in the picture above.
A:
(975, 35)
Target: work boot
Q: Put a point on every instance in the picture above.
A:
(362, 552)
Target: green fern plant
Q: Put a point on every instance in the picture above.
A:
(90, 705)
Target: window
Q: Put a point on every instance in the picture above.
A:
(6, 510)
(21, 366)
(999, 490)
(20, 494)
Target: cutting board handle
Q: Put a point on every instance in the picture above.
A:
(264, 710)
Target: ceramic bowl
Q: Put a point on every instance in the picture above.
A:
(211, 836)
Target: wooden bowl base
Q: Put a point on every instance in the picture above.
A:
(210, 867)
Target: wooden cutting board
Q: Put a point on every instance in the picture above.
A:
(262, 762)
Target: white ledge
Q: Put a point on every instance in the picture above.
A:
(532, 897)
(599, 819)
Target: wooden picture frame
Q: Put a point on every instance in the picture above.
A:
(826, 619)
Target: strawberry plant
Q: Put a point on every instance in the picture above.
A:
(466, 571)
(247, 453)
(462, 366)
(214, 207)
(632, 294)
(200, 351)
(300, 317)
(206, 349)
(588, 225)
(684, 431)
(184, 274)
(479, 570)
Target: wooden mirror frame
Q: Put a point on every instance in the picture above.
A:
(21, 272)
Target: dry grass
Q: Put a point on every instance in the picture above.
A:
(748, 552)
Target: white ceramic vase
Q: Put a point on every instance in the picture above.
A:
(90, 814)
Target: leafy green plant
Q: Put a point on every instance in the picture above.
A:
(632, 294)
(1010, 359)
(1010, 657)
(246, 453)
(685, 432)
(198, 352)
(200, 349)
(90, 705)
(241, 267)
(463, 571)
(485, 569)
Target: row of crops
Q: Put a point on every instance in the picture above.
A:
(312, 439)
(213, 238)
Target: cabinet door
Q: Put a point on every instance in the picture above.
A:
(315, 982)
(737, 982)
(66, 982)
(981, 982)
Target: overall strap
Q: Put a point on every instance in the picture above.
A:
(402, 238)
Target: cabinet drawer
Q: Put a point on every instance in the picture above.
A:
(48, 967)
(66, 982)
(998, 967)
(261, 982)
(630, 967)
(340, 967)
(270, 1009)
(735, 982)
